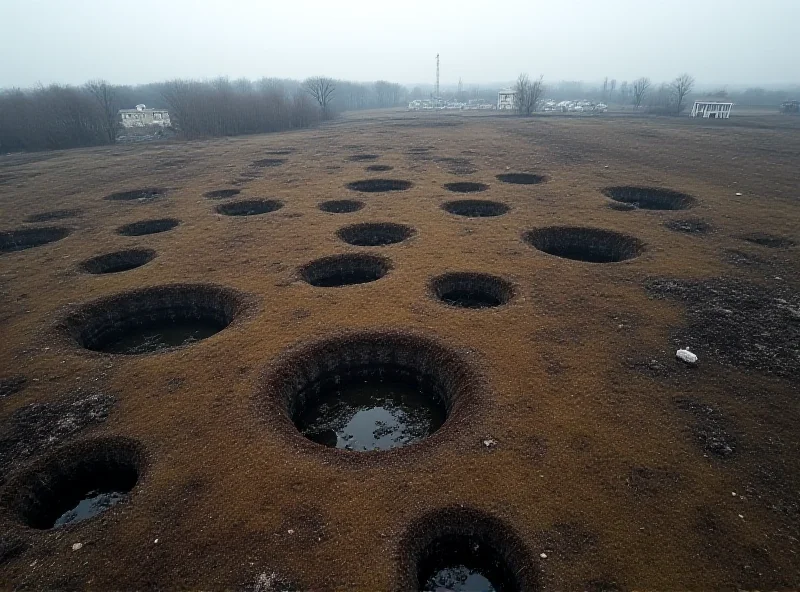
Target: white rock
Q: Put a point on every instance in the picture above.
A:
(737, 193)
(543, 555)
(489, 443)
(77, 546)
(686, 356)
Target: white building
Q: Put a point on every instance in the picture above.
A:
(711, 109)
(506, 98)
(142, 116)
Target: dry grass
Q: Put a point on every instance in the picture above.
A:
(602, 455)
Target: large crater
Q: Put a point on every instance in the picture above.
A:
(471, 289)
(153, 319)
(375, 234)
(650, 198)
(28, 238)
(367, 391)
(379, 185)
(345, 270)
(475, 208)
(118, 261)
(593, 245)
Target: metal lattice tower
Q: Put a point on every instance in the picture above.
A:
(436, 91)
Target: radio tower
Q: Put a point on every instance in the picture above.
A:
(436, 91)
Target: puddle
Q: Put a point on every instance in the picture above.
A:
(93, 504)
(371, 414)
(146, 339)
(458, 579)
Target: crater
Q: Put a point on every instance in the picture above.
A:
(154, 319)
(76, 483)
(341, 206)
(593, 245)
(475, 208)
(521, 178)
(466, 187)
(463, 548)
(375, 168)
(472, 289)
(28, 238)
(145, 193)
(768, 240)
(345, 270)
(369, 391)
(650, 198)
(379, 185)
(250, 207)
(375, 234)
(118, 261)
(222, 193)
(148, 227)
(53, 215)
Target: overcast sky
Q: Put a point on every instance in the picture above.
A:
(136, 41)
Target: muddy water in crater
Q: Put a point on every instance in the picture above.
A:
(458, 579)
(156, 337)
(91, 505)
(371, 415)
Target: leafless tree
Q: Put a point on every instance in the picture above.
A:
(527, 93)
(322, 90)
(106, 99)
(681, 87)
(640, 87)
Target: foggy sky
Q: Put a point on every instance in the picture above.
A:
(718, 41)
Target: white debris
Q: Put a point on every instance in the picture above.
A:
(543, 555)
(739, 194)
(290, 531)
(77, 546)
(155, 542)
(489, 443)
(686, 356)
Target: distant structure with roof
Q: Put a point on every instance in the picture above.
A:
(141, 116)
(506, 98)
(712, 109)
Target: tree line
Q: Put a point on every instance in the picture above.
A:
(62, 116)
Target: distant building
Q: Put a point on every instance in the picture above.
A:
(142, 116)
(711, 109)
(506, 98)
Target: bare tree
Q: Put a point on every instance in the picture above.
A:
(322, 90)
(527, 93)
(681, 87)
(640, 87)
(106, 99)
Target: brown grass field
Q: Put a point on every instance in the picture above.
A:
(626, 468)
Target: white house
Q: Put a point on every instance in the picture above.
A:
(142, 116)
(506, 98)
(711, 109)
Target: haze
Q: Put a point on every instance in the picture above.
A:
(735, 43)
